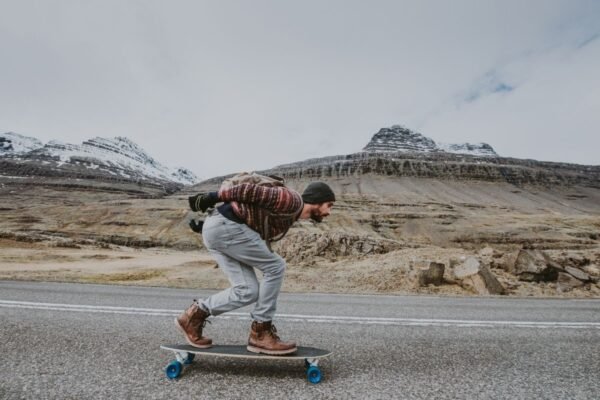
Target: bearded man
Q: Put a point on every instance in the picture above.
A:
(237, 234)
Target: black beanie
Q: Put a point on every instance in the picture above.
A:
(318, 192)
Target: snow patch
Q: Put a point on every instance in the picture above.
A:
(120, 154)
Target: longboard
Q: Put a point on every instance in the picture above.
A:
(185, 355)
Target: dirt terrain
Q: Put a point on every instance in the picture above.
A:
(383, 234)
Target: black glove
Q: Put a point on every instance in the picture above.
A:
(203, 201)
(196, 227)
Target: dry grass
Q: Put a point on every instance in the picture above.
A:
(125, 277)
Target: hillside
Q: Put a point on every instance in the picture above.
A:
(397, 211)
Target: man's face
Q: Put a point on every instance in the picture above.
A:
(321, 211)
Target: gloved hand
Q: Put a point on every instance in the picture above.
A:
(203, 201)
(196, 227)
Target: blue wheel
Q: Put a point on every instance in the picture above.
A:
(173, 370)
(314, 375)
(189, 359)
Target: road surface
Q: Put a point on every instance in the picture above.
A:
(97, 341)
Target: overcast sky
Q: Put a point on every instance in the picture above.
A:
(226, 86)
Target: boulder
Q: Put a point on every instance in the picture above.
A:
(567, 282)
(472, 275)
(592, 270)
(492, 283)
(469, 267)
(577, 273)
(505, 261)
(535, 266)
(433, 275)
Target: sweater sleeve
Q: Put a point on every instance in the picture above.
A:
(279, 200)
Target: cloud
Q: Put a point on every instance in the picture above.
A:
(490, 83)
(548, 116)
(588, 40)
(220, 87)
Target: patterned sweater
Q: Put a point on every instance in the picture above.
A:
(270, 211)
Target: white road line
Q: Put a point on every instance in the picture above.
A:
(158, 312)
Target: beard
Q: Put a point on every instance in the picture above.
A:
(316, 216)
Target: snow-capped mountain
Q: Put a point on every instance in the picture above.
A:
(475, 149)
(13, 143)
(117, 157)
(398, 138)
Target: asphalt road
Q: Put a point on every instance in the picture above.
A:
(69, 341)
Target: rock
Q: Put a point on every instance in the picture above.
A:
(469, 267)
(592, 270)
(478, 277)
(535, 266)
(567, 282)
(492, 283)
(433, 275)
(577, 273)
(486, 252)
(577, 260)
(476, 283)
(506, 261)
(300, 245)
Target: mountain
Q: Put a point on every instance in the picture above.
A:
(406, 202)
(401, 139)
(398, 152)
(399, 208)
(103, 159)
(13, 143)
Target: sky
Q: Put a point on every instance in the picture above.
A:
(227, 86)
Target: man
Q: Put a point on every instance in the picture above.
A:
(236, 234)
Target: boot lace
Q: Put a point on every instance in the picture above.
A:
(201, 326)
(273, 332)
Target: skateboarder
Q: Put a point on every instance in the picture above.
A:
(236, 234)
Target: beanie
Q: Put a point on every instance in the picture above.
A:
(318, 192)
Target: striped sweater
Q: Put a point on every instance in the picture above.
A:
(270, 211)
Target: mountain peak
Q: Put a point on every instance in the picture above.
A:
(117, 157)
(398, 138)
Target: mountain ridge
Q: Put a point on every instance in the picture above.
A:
(401, 152)
(101, 158)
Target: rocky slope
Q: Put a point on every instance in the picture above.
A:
(488, 224)
(436, 165)
(406, 202)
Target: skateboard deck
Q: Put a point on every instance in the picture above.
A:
(185, 355)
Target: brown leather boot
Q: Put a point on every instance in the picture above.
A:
(191, 323)
(264, 339)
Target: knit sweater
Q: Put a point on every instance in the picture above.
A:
(270, 211)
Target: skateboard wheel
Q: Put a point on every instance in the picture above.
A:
(313, 374)
(189, 359)
(173, 370)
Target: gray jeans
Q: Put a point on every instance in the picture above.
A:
(238, 250)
